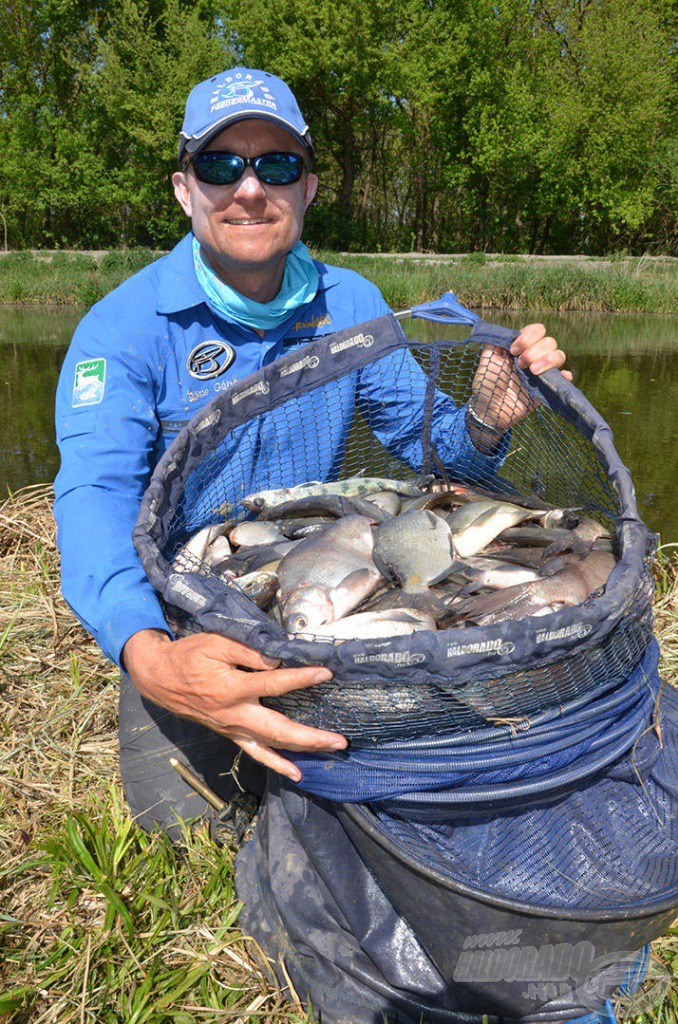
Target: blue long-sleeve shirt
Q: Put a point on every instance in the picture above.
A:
(138, 370)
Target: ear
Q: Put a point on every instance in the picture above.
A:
(310, 189)
(182, 192)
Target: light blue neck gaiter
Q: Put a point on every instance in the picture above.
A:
(299, 285)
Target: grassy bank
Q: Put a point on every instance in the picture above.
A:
(99, 922)
(621, 285)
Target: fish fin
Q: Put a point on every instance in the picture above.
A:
(353, 589)
(570, 543)
(483, 607)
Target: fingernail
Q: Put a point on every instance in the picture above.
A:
(337, 745)
(321, 675)
(270, 662)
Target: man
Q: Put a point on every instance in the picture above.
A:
(233, 295)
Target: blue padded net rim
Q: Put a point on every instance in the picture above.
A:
(556, 750)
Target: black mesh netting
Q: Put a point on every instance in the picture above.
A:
(369, 402)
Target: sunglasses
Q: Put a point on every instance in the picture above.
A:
(217, 168)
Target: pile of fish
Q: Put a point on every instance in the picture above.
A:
(372, 557)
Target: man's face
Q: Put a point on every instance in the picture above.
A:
(247, 229)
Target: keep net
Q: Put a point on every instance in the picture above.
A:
(369, 401)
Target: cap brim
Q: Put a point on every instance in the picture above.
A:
(192, 144)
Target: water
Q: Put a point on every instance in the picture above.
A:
(626, 365)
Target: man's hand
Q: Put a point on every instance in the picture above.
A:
(218, 682)
(499, 400)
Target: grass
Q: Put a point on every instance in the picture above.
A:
(98, 921)
(620, 284)
(629, 285)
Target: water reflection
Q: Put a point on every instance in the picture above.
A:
(626, 365)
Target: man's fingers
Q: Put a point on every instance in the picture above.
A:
(541, 351)
(232, 651)
(268, 757)
(527, 337)
(243, 686)
(270, 728)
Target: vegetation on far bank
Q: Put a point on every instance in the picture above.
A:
(541, 126)
(101, 923)
(623, 284)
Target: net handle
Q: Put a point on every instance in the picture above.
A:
(445, 310)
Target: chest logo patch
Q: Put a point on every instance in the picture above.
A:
(89, 382)
(209, 359)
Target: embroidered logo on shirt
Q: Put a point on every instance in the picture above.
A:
(90, 379)
(315, 321)
(209, 359)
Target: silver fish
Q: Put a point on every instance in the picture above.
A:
(191, 555)
(260, 586)
(328, 574)
(258, 556)
(493, 573)
(354, 486)
(570, 586)
(475, 525)
(371, 624)
(414, 548)
(389, 501)
(249, 533)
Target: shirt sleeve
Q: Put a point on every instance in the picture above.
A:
(107, 429)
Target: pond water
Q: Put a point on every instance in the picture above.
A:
(626, 365)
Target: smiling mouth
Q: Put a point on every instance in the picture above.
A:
(247, 223)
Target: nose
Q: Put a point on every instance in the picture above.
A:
(249, 186)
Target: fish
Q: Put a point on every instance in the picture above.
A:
(495, 574)
(581, 540)
(249, 533)
(475, 525)
(356, 486)
(389, 501)
(295, 529)
(260, 586)
(371, 624)
(217, 551)
(414, 548)
(191, 555)
(570, 586)
(327, 575)
(258, 556)
(330, 505)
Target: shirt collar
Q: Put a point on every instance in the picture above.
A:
(180, 289)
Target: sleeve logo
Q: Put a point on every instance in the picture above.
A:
(90, 379)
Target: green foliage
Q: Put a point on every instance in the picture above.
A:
(539, 126)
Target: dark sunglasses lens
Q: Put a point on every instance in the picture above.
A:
(218, 168)
(279, 168)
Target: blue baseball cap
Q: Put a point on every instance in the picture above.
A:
(234, 95)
